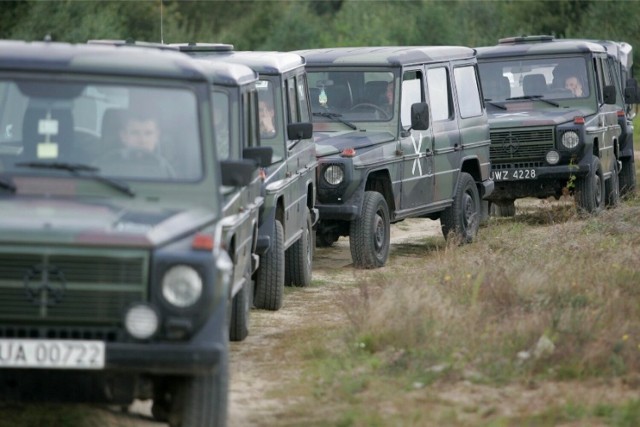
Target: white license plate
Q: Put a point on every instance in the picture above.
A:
(513, 174)
(51, 354)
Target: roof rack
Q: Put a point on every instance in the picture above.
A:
(526, 39)
(203, 47)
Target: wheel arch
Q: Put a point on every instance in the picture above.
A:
(380, 181)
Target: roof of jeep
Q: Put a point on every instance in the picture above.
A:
(228, 73)
(385, 55)
(97, 59)
(538, 45)
(264, 62)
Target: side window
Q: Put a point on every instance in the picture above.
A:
(597, 68)
(292, 101)
(250, 111)
(302, 99)
(412, 90)
(439, 94)
(468, 91)
(221, 124)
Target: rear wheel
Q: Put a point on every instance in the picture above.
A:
(612, 187)
(462, 218)
(299, 257)
(369, 236)
(270, 274)
(628, 176)
(590, 189)
(503, 208)
(240, 312)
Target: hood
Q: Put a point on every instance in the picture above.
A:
(328, 143)
(26, 220)
(515, 116)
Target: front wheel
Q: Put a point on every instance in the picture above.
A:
(590, 189)
(270, 274)
(240, 312)
(299, 257)
(612, 187)
(369, 235)
(462, 218)
(503, 208)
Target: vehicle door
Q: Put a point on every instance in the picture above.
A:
(416, 145)
(608, 114)
(299, 157)
(446, 135)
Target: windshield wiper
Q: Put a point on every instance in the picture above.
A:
(76, 168)
(8, 185)
(536, 97)
(336, 117)
(495, 104)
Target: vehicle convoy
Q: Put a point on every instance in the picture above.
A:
(558, 120)
(114, 283)
(285, 240)
(400, 132)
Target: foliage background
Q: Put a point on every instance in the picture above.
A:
(299, 24)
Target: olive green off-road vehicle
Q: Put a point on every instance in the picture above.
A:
(114, 282)
(400, 132)
(558, 120)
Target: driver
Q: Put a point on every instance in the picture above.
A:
(138, 152)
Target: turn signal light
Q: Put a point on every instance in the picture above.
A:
(202, 242)
(621, 113)
(348, 152)
(579, 120)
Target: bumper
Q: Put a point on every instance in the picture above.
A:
(342, 212)
(178, 359)
(548, 181)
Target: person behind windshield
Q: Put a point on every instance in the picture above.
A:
(267, 115)
(387, 104)
(573, 84)
(138, 153)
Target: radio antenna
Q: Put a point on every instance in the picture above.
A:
(161, 29)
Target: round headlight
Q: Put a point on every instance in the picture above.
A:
(141, 321)
(570, 140)
(181, 286)
(553, 157)
(333, 174)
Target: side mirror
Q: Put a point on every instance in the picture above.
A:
(261, 155)
(420, 116)
(609, 93)
(297, 131)
(237, 173)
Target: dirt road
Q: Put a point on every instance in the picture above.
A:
(255, 373)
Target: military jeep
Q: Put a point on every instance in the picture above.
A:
(285, 241)
(400, 132)
(114, 283)
(557, 114)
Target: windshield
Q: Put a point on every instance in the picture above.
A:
(545, 78)
(355, 96)
(123, 131)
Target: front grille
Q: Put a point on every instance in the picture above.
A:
(521, 145)
(70, 286)
(61, 333)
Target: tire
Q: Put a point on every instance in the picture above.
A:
(369, 235)
(462, 218)
(270, 275)
(590, 189)
(240, 312)
(612, 187)
(505, 208)
(299, 257)
(202, 400)
(627, 177)
(325, 240)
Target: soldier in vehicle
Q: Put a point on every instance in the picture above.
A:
(573, 84)
(267, 114)
(139, 137)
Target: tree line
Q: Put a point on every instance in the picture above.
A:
(300, 24)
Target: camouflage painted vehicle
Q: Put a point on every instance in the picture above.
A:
(285, 241)
(556, 111)
(114, 283)
(235, 115)
(400, 132)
